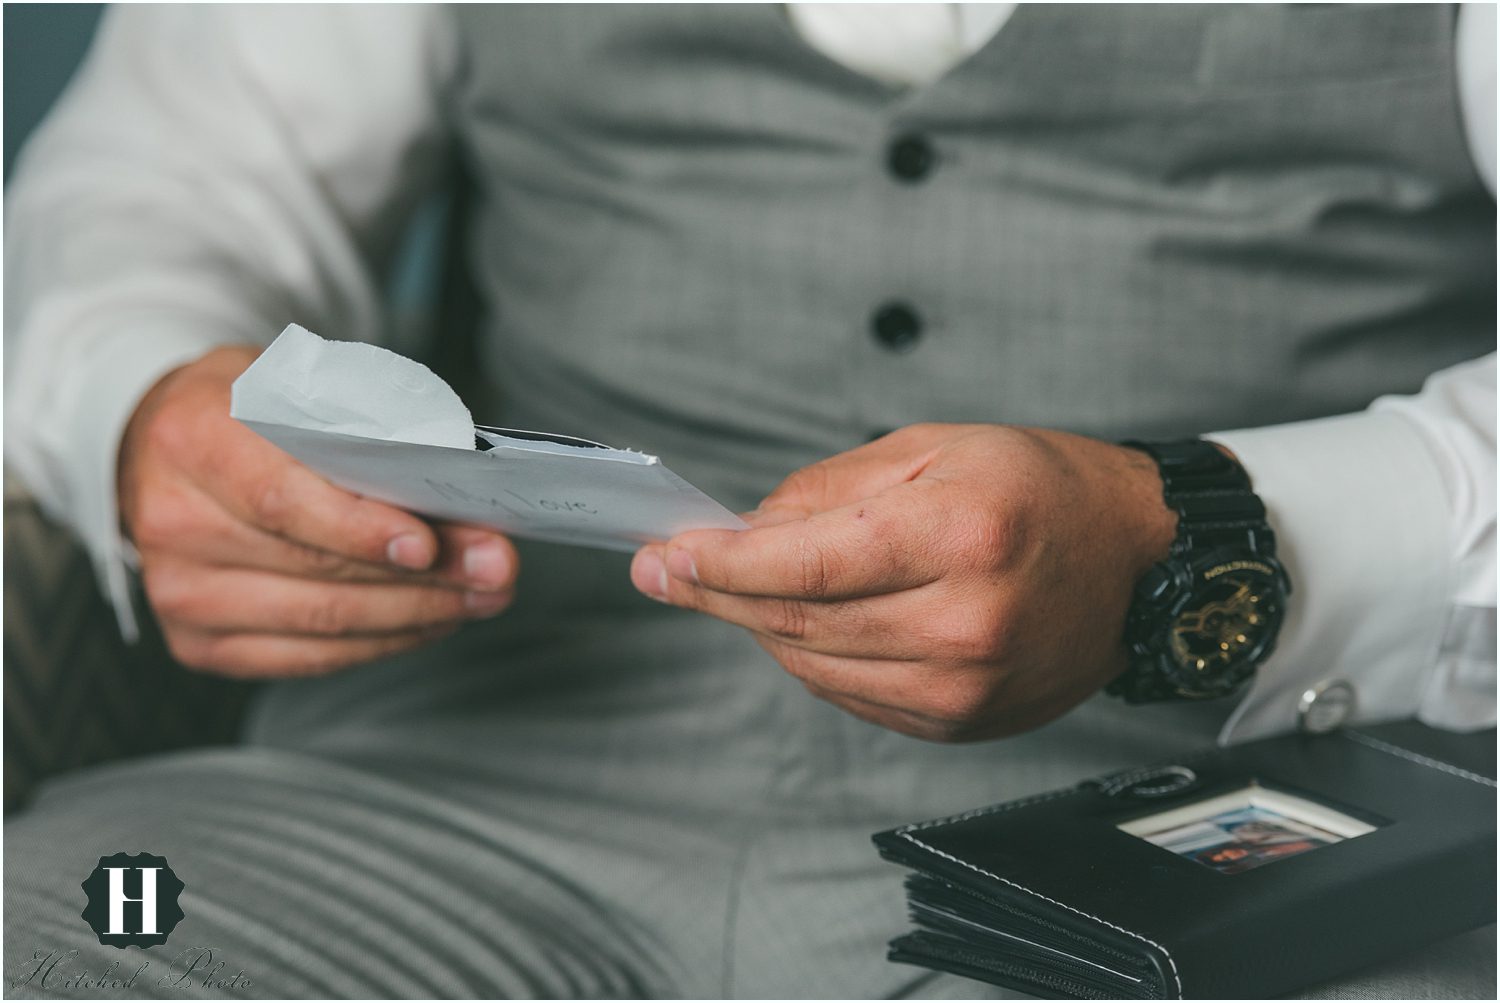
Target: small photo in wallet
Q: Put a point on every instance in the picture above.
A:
(1247, 828)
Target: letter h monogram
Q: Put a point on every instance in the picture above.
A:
(146, 900)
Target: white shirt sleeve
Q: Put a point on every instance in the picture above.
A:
(1386, 522)
(212, 173)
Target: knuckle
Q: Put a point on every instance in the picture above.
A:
(328, 615)
(890, 528)
(685, 596)
(160, 521)
(957, 708)
(982, 535)
(319, 562)
(269, 505)
(990, 644)
(443, 606)
(980, 634)
(810, 478)
(805, 485)
(799, 666)
(190, 650)
(366, 525)
(815, 570)
(787, 619)
(168, 432)
(169, 591)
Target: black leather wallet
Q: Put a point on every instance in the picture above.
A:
(1249, 871)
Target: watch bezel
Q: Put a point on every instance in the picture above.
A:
(1170, 589)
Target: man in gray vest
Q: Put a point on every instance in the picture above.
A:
(753, 240)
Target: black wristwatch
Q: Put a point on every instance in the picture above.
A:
(1202, 620)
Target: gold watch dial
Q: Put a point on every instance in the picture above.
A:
(1227, 626)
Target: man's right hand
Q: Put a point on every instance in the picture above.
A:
(257, 567)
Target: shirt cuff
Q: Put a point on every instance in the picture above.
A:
(1362, 525)
(118, 373)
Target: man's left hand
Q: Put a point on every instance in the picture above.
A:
(952, 582)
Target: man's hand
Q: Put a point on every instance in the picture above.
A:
(257, 567)
(953, 582)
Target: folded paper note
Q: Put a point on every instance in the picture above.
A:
(384, 426)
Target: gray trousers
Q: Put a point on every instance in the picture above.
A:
(565, 819)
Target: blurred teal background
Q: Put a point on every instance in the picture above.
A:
(43, 45)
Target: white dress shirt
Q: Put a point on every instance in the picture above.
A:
(216, 171)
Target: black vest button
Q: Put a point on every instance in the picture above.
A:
(897, 327)
(910, 158)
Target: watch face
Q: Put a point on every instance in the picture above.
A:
(1222, 631)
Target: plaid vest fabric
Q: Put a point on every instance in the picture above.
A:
(698, 235)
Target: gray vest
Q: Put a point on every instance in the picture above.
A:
(1147, 221)
(1142, 221)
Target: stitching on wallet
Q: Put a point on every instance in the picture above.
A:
(1421, 760)
(993, 809)
(906, 833)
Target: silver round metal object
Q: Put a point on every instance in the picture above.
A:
(1326, 706)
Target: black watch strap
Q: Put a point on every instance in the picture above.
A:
(1216, 511)
(1210, 494)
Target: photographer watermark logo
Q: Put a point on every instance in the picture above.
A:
(132, 900)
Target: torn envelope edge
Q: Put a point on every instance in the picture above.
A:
(485, 436)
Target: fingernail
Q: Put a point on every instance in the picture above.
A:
(407, 551)
(649, 575)
(487, 564)
(680, 564)
(482, 604)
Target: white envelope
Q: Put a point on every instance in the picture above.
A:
(344, 409)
